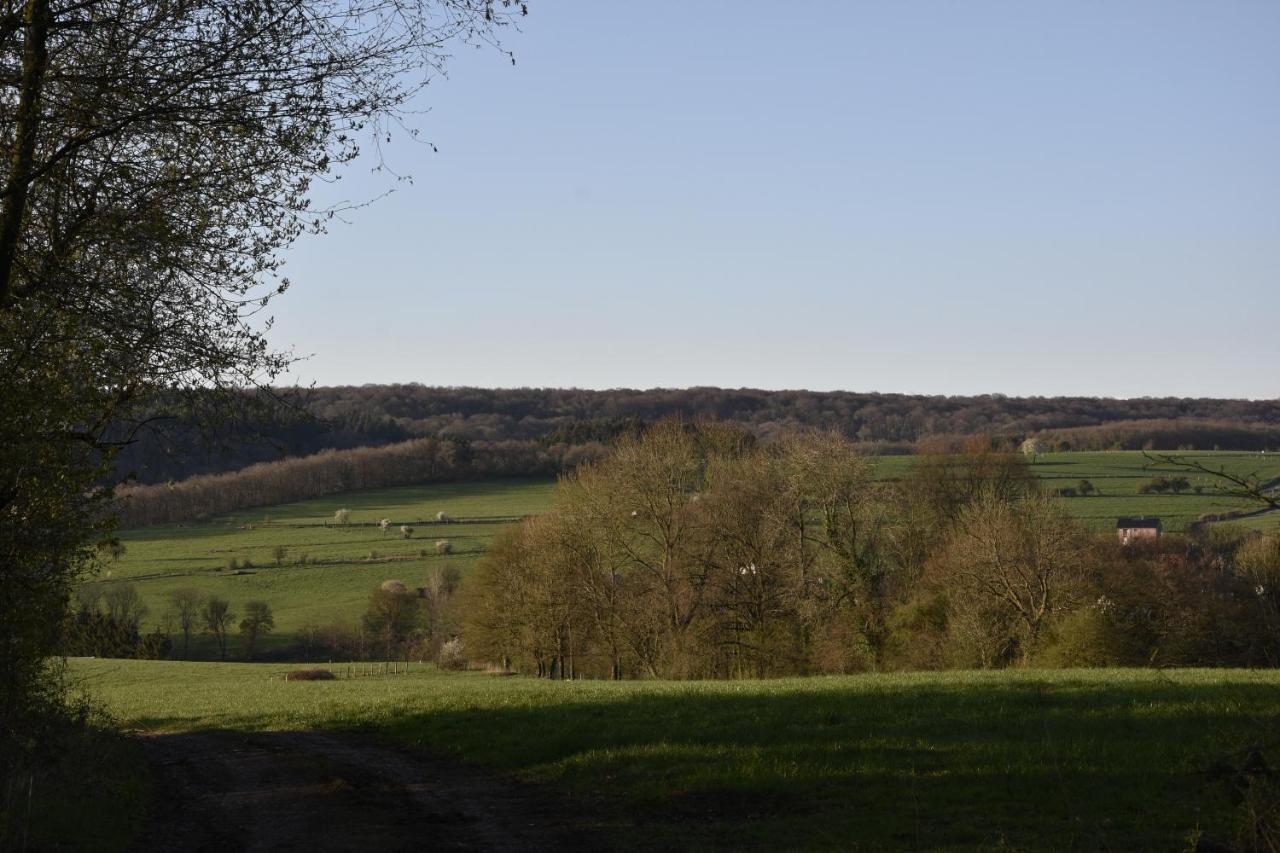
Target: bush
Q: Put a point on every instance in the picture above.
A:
(452, 655)
(309, 675)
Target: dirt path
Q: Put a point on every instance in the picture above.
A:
(316, 791)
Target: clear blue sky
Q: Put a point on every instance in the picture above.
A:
(929, 197)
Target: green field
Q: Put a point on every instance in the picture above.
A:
(1118, 473)
(343, 564)
(1018, 760)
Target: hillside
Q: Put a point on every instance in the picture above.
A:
(327, 572)
(375, 415)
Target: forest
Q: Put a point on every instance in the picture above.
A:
(373, 415)
(698, 552)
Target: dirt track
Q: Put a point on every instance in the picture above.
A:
(315, 791)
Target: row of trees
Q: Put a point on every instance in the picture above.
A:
(376, 415)
(331, 472)
(107, 618)
(695, 551)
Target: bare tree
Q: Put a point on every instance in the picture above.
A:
(1020, 561)
(217, 616)
(185, 604)
(258, 620)
(1248, 487)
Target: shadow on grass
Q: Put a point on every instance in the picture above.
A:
(1027, 765)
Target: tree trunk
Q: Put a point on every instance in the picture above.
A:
(13, 201)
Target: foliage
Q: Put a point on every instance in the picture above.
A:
(158, 160)
(258, 620)
(393, 617)
(376, 415)
(215, 613)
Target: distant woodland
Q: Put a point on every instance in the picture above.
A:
(377, 415)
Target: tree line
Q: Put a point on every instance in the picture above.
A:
(376, 415)
(698, 551)
(423, 460)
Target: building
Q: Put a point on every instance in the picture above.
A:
(1134, 530)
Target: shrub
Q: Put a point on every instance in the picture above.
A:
(309, 675)
(452, 655)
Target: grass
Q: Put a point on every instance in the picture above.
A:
(343, 564)
(1026, 760)
(1117, 475)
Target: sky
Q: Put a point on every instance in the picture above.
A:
(1051, 198)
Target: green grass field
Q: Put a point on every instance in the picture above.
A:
(1025, 760)
(1118, 473)
(343, 564)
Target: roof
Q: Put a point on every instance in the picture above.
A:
(1130, 523)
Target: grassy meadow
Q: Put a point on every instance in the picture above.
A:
(327, 572)
(1016, 760)
(1117, 474)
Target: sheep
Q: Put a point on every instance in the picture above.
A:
(406, 531)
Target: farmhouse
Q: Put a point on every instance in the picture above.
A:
(1133, 530)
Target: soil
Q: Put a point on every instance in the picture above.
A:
(320, 791)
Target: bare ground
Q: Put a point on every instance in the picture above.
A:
(318, 791)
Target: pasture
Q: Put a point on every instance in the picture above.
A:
(327, 571)
(1018, 760)
(1117, 474)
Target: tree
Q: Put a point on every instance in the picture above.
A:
(124, 605)
(217, 616)
(392, 615)
(1258, 561)
(1012, 566)
(185, 604)
(342, 516)
(257, 620)
(278, 553)
(158, 160)
(1086, 488)
(1031, 448)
